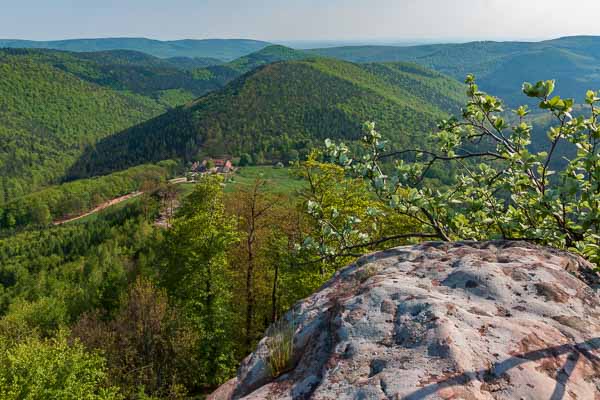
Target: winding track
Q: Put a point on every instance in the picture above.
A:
(99, 208)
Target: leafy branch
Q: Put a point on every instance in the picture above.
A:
(502, 190)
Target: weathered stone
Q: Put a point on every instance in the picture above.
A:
(494, 320)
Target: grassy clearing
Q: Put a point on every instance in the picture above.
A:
(280, 179)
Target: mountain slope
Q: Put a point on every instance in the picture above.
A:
(191, 63)
(501, 67)
(266, 56)
(283, 109)
(162, 80)
(47, 118)
(224, 49)
(169, 82)
(53, 103)
(220, 75)
(172, 81)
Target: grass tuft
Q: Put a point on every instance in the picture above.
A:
(281, 347)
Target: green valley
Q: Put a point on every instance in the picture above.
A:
(165, 206)
(279, 111)
(55, 104)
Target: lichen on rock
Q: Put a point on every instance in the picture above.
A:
(492, 320)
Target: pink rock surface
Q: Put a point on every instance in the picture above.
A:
(494, 320)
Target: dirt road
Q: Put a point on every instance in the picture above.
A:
(99, 208)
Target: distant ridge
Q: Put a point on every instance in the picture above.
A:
(501, 67)
(222, 49)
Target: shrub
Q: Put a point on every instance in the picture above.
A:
(52, 369)
(44, 317)
(245, 160)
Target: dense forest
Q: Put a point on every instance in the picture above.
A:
(47, 117)
(167, 82)
(500, 66)
(138, 311)
(278, 112)
(141, 86)
(57, 202)
(54, 104)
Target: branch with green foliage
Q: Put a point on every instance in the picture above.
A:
(346, 218)
(503, 189)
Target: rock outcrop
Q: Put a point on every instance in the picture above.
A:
(494, 320)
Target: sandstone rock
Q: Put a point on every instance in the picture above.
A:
(495, 320)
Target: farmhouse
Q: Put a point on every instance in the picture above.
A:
(214, 166)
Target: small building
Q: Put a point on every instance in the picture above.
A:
(223, 166)
(213, 166)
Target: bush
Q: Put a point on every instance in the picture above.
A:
(44, 317)
(245, 160)
(52, 369)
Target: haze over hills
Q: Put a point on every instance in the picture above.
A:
(223, 49)
(194, 63)
(282, 110)
(220, 75)
(141, 59)
(501, 67)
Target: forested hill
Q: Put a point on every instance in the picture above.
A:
(220, 75)
(140, 59)
(55, 103)
(280, 111)
(223, 49)
(501, 67)
(169, 82)
(48, 116)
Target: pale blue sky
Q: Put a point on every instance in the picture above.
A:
(299, 19)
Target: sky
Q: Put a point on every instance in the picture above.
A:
(302, 20)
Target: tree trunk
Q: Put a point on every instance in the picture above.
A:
(250, 285)
(274, 294)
